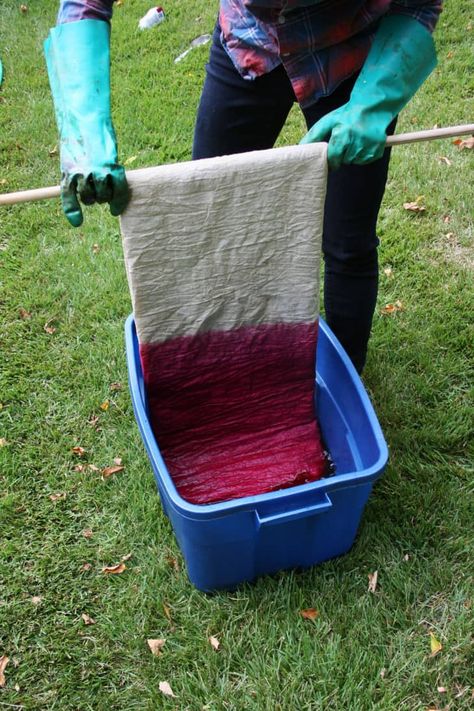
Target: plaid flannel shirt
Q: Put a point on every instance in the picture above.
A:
(319, 42)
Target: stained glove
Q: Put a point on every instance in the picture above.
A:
(78, 62)
(401, 58)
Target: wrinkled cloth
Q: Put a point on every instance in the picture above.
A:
(222, 257)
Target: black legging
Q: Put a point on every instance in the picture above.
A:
(236, 115)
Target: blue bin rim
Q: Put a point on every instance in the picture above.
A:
(216, 510)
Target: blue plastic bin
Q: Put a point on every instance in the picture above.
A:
(227, 543)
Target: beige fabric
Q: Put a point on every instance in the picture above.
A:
(225, 242)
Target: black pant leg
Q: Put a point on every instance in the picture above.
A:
(354, 196)
(236, 115)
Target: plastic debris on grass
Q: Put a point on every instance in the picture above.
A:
(154, 16)
(197, 42)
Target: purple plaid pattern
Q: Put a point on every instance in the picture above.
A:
(73, 10)
(319, 42)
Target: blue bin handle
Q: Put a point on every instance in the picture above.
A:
(309, 510)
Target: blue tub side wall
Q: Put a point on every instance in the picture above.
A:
(223, 552)
(316, 538)
(219, 553)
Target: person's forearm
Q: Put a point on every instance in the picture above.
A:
(73, 10)
(402, 56)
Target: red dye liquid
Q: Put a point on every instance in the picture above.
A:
(233, 411)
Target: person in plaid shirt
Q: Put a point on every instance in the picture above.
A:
(351, 65)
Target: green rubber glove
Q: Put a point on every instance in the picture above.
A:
(401, 58)
(78, 61)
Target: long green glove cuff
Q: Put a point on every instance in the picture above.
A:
(402, 56)
(78, 61)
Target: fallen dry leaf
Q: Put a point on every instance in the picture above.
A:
(24, 314)
(116, 386)
(156, 645)
(86, 566)
(126, 557)
(373, 581)
(3, 663)
(444, 159)
(23, 8)
(309, 614)
(165, 689)
(78, 451)
(462, 143)
(58, 496)
(108, 471)
(416, 205)
(441, 690)
(392, 308)
(96, 248)
(435, 645)
(118, 461)
(105, 405)
(172, 562)
(36, 599)
(167, 611)
(114, 569)
(85, 467)
(53, 151)
(446, 219)
(49, 329)
(3, 442)
(388, 271)
(87, 619)
(87, 533)
(93, 420)
(214, 642)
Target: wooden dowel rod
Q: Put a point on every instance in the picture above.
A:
(400, 139)
(431, 134)
(30, 195)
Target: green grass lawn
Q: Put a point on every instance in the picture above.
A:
(68, 387)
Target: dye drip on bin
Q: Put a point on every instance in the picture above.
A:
(222, 258)
(234, 411)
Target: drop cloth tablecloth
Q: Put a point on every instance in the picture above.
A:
(222, 257)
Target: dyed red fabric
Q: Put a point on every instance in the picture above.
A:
(233, 411)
